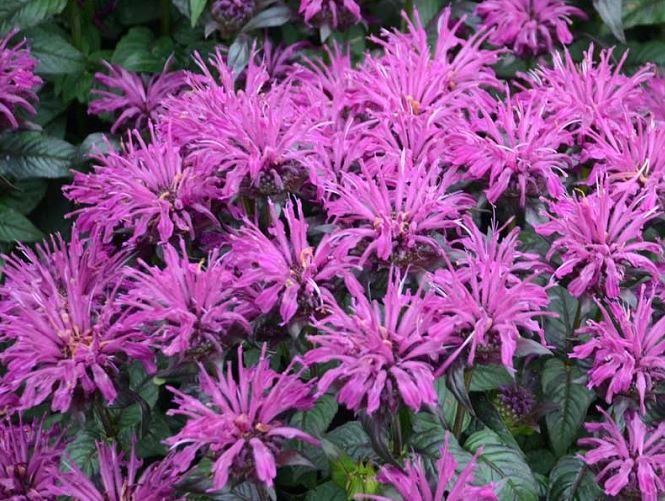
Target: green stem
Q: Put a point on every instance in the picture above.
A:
(165, 16)
(397, 436)
(74, 23)
(460, 412)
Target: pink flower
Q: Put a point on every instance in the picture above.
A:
(334, 13)
(241, 423)
(386, 352)
(598, 236)
(412, 484)
(184, 306)
(17, 80)
(633, 462)
(59, 318)
(528, 26)
(283, 269)
(627, 347)
(515, 147)
(397, 211)
(135, 99)
(144, 192)
(120, 480)
(489, 299)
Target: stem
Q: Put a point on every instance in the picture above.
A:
(104, 416)
(461, 411)
(165, 16)
(74, 23)
(397, 435)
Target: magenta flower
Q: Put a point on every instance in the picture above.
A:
(241, 423)
(397, 216)
(386, 352)
(598, 236)
(528, 26)
(283, 269)
(17, 80)
(28, 456)
(334, 13)
(145, 191)
(633, 462)
(489, 300)
(412, 484)
(58, 317)
(135, 99)
(627, 349)
(586, 93)
(184, 306)
(409, 79)
(515, 147)
(120, 480)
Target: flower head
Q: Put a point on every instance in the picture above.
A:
(334, 13)
(283, 269)
(120, 480)
(241, 422)
(515, 147)
(528, 26)
(633, 460)
(489, 299)
(58, 315)
(627, 347)
(145, 191)
(135, 99)
(412, 484)
(386, 352)
(397, 213)
(598, 237)
(17, 80)
(231, 15)
(184, 306)
(28, 456)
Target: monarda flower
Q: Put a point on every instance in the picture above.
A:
(632, 460)
(489, 299)
(144, 192)
(515, 147)
(528, 26)
(599, 238)
(119, 479)
(581, 95)
(231, 15)
(627, 347)
(241, 423)
(396, 216)
(17, 80)
(284, 269)
(412, 484)
(134, 99)
(28, 456)
(58, 316)
(183, 306)
(386, 352)
(333, 13)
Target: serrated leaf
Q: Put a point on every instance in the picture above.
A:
(33, 154)
(316, 420)
(610, 11)
(196, 8)
(269, 18)
(139, 51)
(328, 492)
(15, 227)
(490, 417)
(561, 385)
(352, 439)
(24, 14)
(83, 451)
(506, 466)
(558, 329)
(490, 377)
(56, 55)
(571, 480)
(25, 195)
(643, 12)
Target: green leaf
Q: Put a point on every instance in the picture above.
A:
(33, 154)
(139, 51)
(15, 227)
(428, 9)
(316, 420)
(561, 386)
(133, 12)
(571, 480)
(24, 14)
(328, 492)
(269, 18)
(83, 451)
(239, 54)
(25, 195)
(56, 55)
(196, 8)
(352, 439)
(505, 465)
(489, 377)
(559, 329)
(639, 12)
(610, 13)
